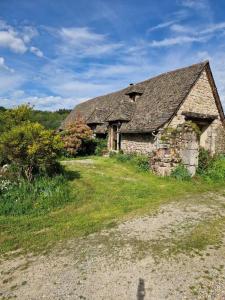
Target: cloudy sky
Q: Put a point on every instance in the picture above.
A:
(57, 53)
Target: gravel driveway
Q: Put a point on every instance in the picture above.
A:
(138, 259)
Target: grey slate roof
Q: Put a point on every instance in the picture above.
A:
(98, 116)
(160, 99)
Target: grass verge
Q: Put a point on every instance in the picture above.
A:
(105, 191)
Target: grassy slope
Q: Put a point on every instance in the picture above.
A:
(105, 192)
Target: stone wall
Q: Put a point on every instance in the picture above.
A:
(176, 146)
(201, 100)
(138, 143)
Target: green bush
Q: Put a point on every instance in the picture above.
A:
(112, 154)
(142, 162)
(181, 173)
(94, 146)
(205, 161)
(37, 197)
(87, 147)
(216, 170)
(28, 146)
(101, 146)
(211, 167)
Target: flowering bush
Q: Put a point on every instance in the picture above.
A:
(75, 135)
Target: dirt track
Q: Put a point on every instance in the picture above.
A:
(136, 260)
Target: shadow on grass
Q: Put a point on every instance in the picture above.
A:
(71, 175)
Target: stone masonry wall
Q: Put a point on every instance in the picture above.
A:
(201, 100)
(137, 143)
(176, 146)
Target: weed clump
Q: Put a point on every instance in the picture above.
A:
(211, 168)
(181, 173)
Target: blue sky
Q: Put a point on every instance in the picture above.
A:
(57, 53)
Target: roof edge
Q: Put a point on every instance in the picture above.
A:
(124, 89)
(205, 63)
(215, 92)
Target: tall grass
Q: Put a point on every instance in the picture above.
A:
(216, 172)
(37, 197)
(211, 168)
(141, 162)
(181, 173)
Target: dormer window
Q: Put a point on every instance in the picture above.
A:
(134, 96)
(134, 92)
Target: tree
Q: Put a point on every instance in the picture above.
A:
(49, 119)
(13, 117)
(26, 145)
(76, 134)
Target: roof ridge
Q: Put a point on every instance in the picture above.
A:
(162, 96)
(204, 63)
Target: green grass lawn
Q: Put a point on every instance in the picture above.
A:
(105, 192)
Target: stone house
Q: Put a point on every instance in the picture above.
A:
(134, 119)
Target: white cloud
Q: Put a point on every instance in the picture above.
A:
(28, 33)
(184, 34)
(102, 79)
(195, 4)
(9, 39)
(182, 29)
(18, 40)
(50, 102)
(3, 65)
(80, 35)
(213, 28)
(175, 18)
(198, 30)
(179, 40)
(36, 51)
(67, 83)
(83, 42)
(161, 26)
